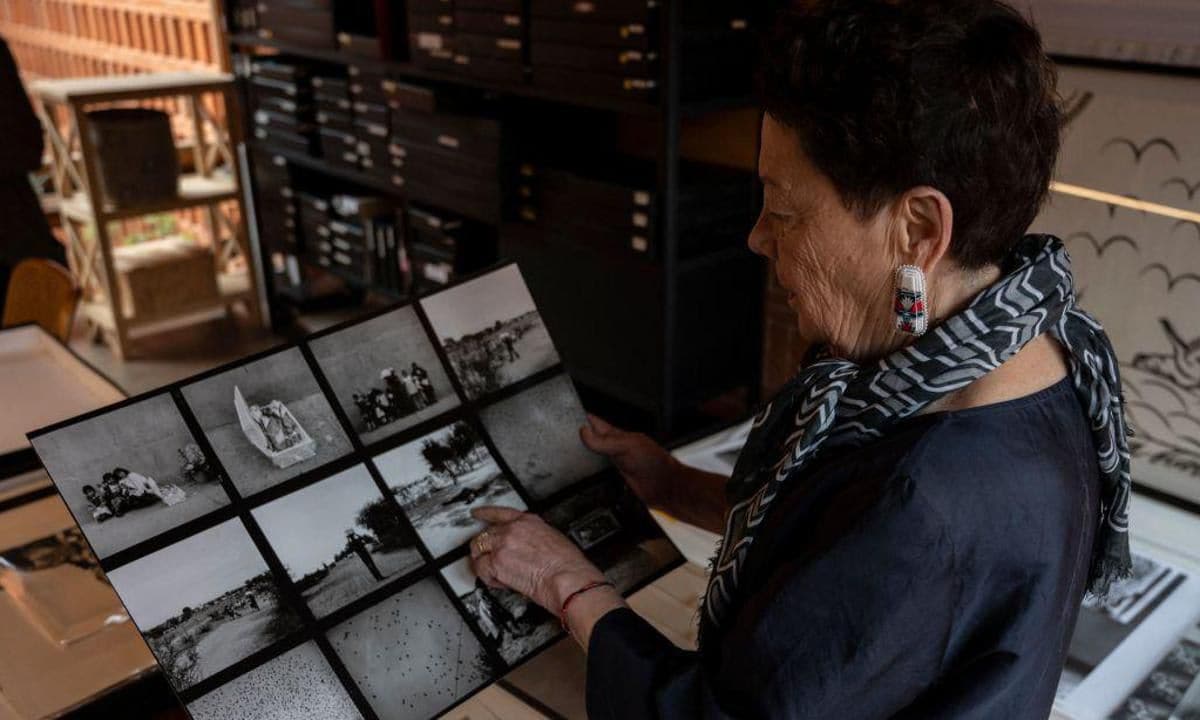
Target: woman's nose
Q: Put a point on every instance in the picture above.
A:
(758, 241)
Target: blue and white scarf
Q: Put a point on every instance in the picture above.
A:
(836, 403)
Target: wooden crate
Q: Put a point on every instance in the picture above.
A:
(159, 277)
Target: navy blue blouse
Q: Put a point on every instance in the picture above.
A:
(935, 573)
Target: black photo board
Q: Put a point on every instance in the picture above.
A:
(289, 532)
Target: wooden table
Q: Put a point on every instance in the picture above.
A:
(42, 382)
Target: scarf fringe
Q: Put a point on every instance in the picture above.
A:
(1111, 563)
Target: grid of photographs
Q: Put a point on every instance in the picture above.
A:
(289, 532)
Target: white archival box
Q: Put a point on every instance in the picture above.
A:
(299, 452)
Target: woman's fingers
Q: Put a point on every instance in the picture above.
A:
(599, 424)
(606, 442)
(485, 570)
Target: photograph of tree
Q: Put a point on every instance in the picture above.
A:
(513, 625)
(268, 420)
(412, 655)
(131, 473)
(385, 374)
(439, 478)
(204, 602)
(491, 331)
(339, 539)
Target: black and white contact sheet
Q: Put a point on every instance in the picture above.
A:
(288, 532)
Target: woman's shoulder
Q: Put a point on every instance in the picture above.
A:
(1030, 457)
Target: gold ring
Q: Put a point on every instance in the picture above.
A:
(482, 543)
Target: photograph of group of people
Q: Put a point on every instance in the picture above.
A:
(326, 489)
(492, 331)
(131, 473)
(385, 374)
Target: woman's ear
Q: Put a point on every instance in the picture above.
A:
(925, 225)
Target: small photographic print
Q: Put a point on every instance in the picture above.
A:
(385, 373)
(267, 421)
(339, 539)
(615, 532)
(1172, 689)
(413, 654)
(64, 549)
(513, 625)
(440, 478)
(594, 528)
(131, 473)
(52, 575)
(537, 433)
(491, 331)
(204, 603)
(1104, 624)
(1139, 708)
(297, 684)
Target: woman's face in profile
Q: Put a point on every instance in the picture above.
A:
(837, 269)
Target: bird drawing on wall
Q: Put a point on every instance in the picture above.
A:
(1186, 223)
(1181, 365)
(1101, 245)
(1140, 150)
(1172, 280)
(1189, 188)
(1074, 105)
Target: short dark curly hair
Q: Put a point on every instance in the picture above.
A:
(886, 95)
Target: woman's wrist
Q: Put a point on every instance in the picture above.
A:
(586, 609)
(564, 584)
(674, 480)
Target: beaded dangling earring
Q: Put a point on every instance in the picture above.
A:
(912, 302)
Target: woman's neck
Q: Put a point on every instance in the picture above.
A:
(1037, 366)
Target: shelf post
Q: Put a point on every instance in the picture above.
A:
(669, 188)
(120, 328)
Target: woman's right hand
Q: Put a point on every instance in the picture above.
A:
(650, 470)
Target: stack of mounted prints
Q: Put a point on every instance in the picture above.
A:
(289, 533)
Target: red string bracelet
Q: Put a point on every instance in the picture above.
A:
(562, 614)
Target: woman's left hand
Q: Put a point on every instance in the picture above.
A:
(519, 551)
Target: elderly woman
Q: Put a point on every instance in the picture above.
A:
(915, 517)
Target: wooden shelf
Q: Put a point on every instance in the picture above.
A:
(107, 88)
(231, 287)
(194, 190)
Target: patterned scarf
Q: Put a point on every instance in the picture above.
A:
(837, 403)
